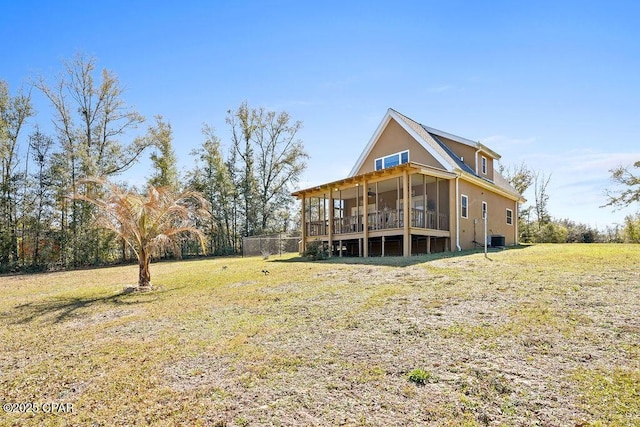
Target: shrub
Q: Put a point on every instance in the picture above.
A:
(419, 376)
(316, 251)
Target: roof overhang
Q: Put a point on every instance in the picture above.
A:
(393, 115)
(488, 185)
(375, 176)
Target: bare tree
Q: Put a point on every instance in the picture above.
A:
(281, 161)
(540, 184)
(519, 176)
(90, 118)
(630, 193)
(14, 111)
(273, 159)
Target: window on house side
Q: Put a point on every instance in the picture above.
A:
(464, 212)
(484, 165)
(509, 217)
(395, 159)
(484, 210)
(404, 157)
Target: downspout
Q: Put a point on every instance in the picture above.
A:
(517, 232)
(458, 214)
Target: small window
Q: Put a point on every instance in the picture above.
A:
(484, 165)
(404, 157)
(509, 217)
(484, 210)
(464, 212)
(392, 160)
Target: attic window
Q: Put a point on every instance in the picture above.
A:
(395, 159)
(484, 165)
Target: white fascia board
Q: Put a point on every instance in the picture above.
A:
(465, 141)
(430, 146)
(452, 137)
(427, 145)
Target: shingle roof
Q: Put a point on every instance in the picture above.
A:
(430, 139)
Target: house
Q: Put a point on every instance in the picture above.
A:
(413, 190)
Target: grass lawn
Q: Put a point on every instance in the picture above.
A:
(545, 335)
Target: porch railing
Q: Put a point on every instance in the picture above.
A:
(382, 220)
(429, 219)
(348, 224)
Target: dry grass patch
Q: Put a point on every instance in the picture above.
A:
(545, 335)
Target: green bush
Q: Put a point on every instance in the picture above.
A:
(316, 251)
(419, 376)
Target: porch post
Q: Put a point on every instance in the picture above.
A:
(330, 225)
(406, 240)
(303, 224)
(365, 219)
(437, 203)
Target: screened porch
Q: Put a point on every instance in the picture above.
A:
(383, 204)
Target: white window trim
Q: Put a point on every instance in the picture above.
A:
(484, 165)
(485, 210)
(509, 210)
(462, 206)
(399, 154)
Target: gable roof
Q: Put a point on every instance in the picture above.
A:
(431, 140)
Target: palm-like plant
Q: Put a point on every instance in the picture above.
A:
(147, 223)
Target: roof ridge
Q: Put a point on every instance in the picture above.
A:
(449, 135)
(421, 130)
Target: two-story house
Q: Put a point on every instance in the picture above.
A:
(413, 190)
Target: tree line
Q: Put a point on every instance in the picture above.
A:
(536, 225)
(246, 182)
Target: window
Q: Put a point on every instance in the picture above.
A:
(509, 217)
(395, 159)
(464, 211)
(484, 165)
(484, 210)
(404, 157)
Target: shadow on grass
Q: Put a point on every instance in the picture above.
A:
(399, 261)
(63, 309)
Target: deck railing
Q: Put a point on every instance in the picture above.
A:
(381, 220)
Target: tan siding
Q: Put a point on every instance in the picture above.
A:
(469, 155)
(393, 140)
(497, 209)
(461, 150)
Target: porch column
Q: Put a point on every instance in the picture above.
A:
(365, 219)
(406, 240)
(438, 204)
(340, 251)
(330, 225)
(303, 222)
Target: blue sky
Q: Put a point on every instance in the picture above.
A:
(553, 84)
